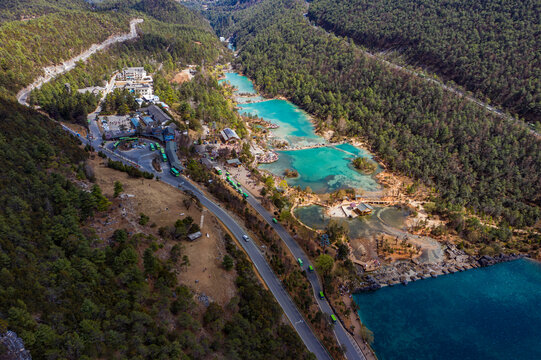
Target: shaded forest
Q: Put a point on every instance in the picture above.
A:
(489, 47)
(473, 159)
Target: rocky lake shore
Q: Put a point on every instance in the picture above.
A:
(405, 271)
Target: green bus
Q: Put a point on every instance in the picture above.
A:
(174, 171)
(115, 145)
(164, 157)
(300, 261)
(310, 268)
(128, 138)
(333, 318)
(274, 220)
(152, 148)
(245, 195)
(321, 295)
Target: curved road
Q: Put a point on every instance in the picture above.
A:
(275, 286)
(52, 71)
(352, 350)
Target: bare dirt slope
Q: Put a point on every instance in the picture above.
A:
(164, 205)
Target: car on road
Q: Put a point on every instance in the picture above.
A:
(245, 237)
(300, 261)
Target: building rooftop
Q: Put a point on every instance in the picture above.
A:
(229, 134)
(364, 207)
(235, 162)
(157, 114)
(195, 235)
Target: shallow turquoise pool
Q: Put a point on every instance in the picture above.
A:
(242, 83)
(295, 125)
(324, 169)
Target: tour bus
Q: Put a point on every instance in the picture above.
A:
(115, 145)
(174, 171)
(300, 261)
(321, 295)
(333, 318)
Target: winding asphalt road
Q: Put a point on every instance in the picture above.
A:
(255, 254)
(352, 350)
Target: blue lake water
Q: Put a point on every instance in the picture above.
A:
(324, 169)
(242, 83)
(488, 313)
(295, 125)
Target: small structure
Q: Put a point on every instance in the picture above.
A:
(157, 114)
(148, 120)
(207, 163)
(234, 162)
(229, 135)
(135, 122)
(194, 236)
(139, 90)
(168, 134)
(364, 209)
(132, 73)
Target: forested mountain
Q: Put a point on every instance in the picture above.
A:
(490, 47)
(71, 295)
(473, 159)
(65, 291)
(171, 35)
(27, 46)
(28, 9)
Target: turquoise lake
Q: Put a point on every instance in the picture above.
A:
(323, 169)
(242, 83)
(488, 313)
(295, 125)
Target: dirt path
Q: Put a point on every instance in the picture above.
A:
(53, 71)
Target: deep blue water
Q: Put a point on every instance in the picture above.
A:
(488, 313)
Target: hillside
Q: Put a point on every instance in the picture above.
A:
(489, 47)
(72, 287)
(474, 160)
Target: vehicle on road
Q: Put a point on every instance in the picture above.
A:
(310, 268)
(115, 145)
(245, 237)
(333, 318)
(245, 195)
(300, 261)
(218, 170)
(152, 148)
(274, 220)
(174, 171)
(321, 295)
